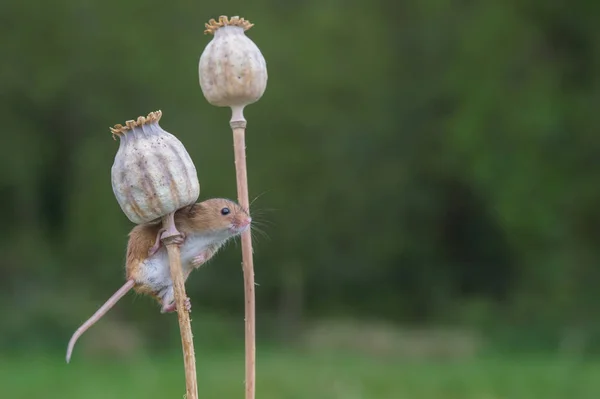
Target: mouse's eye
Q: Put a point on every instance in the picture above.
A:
(225, 211)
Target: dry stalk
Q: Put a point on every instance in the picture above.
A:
(238, 125)
(169, 239)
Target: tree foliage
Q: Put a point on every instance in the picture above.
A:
(412, 161)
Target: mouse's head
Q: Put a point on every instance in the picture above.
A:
(220, 216)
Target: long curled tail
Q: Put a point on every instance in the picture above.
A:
(99, 313)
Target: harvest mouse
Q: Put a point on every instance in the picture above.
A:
(205, 227)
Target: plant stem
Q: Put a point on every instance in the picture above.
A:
(238, 125)
(169, 238)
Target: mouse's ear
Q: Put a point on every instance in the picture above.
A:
(196, 208)
(193, 209)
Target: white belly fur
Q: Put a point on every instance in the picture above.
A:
(155, 271)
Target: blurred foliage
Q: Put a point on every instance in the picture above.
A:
(424, 162)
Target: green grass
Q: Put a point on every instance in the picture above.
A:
(298, 376)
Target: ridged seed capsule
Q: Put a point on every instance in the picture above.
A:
(153, 174)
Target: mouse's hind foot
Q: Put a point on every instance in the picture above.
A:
(172, 307)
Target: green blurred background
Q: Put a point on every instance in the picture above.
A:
(426, 175)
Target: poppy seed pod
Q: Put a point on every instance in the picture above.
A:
(232, 70)
(153, 174)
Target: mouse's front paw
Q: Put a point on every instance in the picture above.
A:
(174, 239)
(199, 260)
(178, 240)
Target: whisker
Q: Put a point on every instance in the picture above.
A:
(259, 229)
(259, 218)
(261, 211)
(260, 232)
(253, 236)
(258, 196)
(263, 223)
